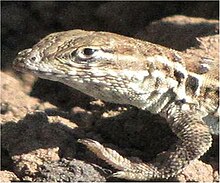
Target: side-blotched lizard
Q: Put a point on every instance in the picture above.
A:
(124, 70)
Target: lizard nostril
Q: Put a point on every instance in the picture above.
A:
(33, 58)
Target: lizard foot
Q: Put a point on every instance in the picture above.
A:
(130, 170)
(194, 140)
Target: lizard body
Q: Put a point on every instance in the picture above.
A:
(124, 70)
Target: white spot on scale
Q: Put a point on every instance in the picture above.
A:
(61, 76)
(43, 68)
(139, 75)
(98, 72)
(48, 73)
(74, 79)
(80, 81)
(136, 87)
(87, 79)
(205, 65)
(72, 73)
(162, 90)
(161, 59)
(158, 74)
(171, 82)
(180, 93)
(113, 73)
(31, 67)
(179, 67)
(107, 88)
(95, 80)
(127, 73)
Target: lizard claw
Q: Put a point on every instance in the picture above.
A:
(128, 175)
(132, 175)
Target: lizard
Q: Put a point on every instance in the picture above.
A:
(151, 77)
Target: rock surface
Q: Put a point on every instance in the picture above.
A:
(6, 176)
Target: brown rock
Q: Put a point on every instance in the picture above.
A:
(179, 32)
(28, 164)
(70, 171)
(6, 176)
(197, 172)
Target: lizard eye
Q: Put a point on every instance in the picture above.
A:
(86, 53)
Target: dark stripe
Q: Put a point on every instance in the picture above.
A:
(192, 84)
(179, 76)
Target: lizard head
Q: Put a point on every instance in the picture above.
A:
(103, 65)
(85, 60)
(64, 52)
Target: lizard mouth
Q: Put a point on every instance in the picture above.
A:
(23, 65)
(19, 64)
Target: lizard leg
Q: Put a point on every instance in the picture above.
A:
(194, 140)
(129, 170)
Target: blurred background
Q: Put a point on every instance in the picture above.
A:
(25, 23)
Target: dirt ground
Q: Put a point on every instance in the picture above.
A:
(42, 120)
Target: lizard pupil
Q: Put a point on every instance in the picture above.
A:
(88, 51)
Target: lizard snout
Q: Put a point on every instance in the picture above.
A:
(25, 59)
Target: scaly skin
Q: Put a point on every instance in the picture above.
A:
(124, 70)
